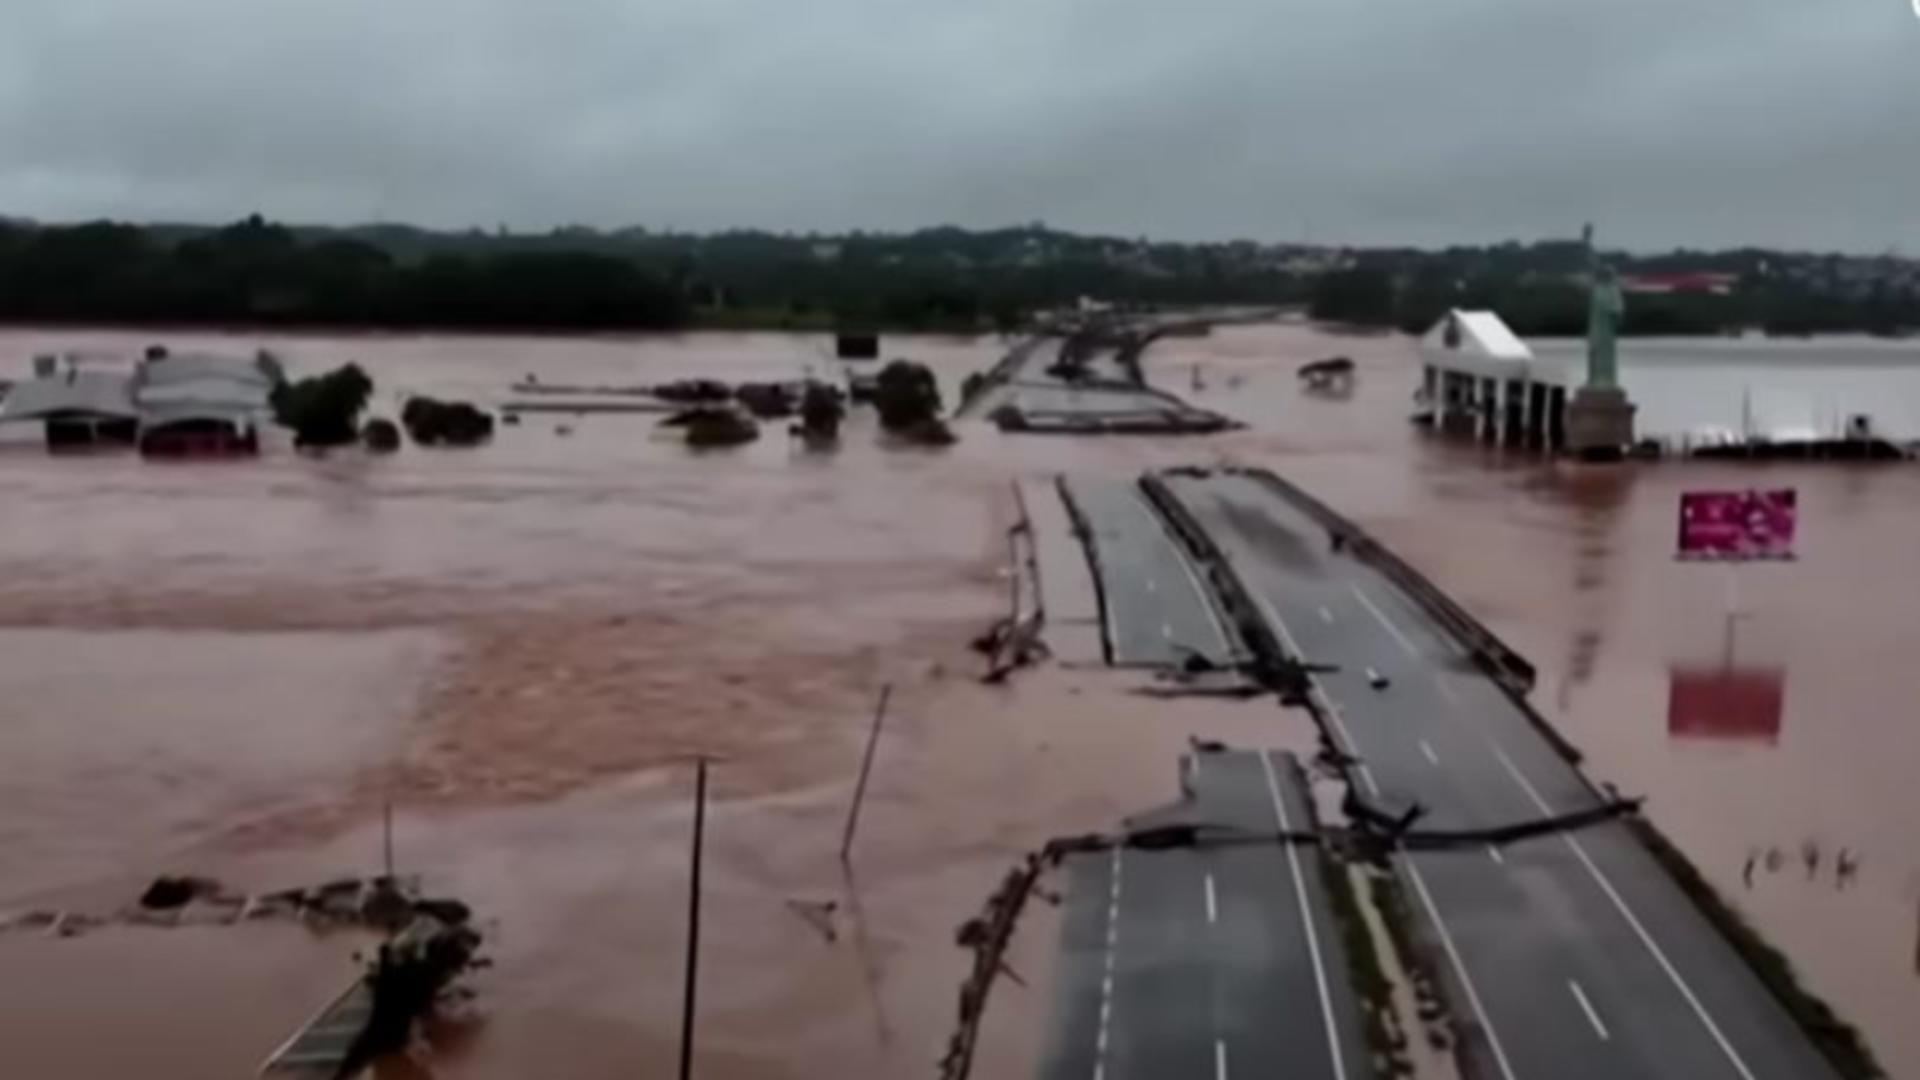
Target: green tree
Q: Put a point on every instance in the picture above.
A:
(1362, 296)
(324, 410)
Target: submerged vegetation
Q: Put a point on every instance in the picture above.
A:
(907, 397)
(821, 410)
(324, 410)
(445, 423)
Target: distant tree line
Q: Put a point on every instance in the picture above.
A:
(256, 272)
(942, 279)
(395, 276)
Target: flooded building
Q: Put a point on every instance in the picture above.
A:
(1763, 397)
(1480, 380)
(81, 408)
(170, 406)
(201, 405)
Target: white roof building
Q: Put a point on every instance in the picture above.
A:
(1479, 344)
(157, 391)
(104, 395)
(200, 387)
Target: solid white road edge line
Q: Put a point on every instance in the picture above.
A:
(1306, 921)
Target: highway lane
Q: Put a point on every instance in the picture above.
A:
(1109, 397)
(1263, 961)
(1213, 961)
(1102, 400)
(992, 391)
(1154, 609)
(1080, 1036)
(1573, 956)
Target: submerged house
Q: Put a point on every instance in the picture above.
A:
(194, 405)
(168, 406)
(81, 408)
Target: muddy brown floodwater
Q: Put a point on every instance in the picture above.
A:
(229, 669)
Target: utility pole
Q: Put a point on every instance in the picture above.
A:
(693, 922)
(866, 767)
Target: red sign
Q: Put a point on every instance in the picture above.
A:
(1721, 703)
(1737, 525)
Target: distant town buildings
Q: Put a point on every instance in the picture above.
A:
(1685, 281)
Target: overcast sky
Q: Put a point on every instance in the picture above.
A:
(1668, 122)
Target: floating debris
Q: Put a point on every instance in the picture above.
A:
(380, 903)
(717, 427)
(817, 914)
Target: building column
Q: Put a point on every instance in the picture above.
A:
(1537, 416)
(1513, 412)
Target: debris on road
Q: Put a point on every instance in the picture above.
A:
(408, 979)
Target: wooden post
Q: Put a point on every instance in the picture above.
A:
(866, 767)
(693, 922)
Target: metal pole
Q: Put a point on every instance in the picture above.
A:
(1013, 572)
(693, 922)
(387, 838)
(866, 767)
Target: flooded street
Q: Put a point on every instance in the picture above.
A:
(228, 669)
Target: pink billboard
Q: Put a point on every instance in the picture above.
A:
(1720, 703)
(1737, 525)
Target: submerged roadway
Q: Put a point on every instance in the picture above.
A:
(1572, 957)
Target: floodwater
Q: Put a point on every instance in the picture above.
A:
(1766, 713)
(1780, 389)
(229, 669)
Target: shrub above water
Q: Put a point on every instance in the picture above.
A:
(324, 410)
(906, 396)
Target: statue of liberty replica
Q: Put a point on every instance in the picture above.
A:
(1600, 418)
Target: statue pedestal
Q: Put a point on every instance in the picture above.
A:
(1599, 423)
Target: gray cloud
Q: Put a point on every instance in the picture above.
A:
(1703, 122)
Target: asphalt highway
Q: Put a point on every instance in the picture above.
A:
(1214, 961)
(1573, 957)
(1155, 611)
(1110, 397)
